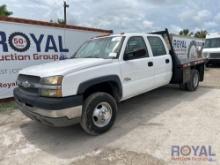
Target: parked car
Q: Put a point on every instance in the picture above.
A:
(103, 72)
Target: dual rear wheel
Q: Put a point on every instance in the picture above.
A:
(193, 84)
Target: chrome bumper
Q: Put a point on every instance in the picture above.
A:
(57, 118)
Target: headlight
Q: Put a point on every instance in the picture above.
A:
(51, 92)
(51, 86)
(206, 55)
(54, 80)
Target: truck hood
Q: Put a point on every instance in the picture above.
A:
(63, 67)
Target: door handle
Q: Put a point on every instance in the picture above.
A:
(167, 61)
(150, 64)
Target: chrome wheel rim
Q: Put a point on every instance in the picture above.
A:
(102, 114)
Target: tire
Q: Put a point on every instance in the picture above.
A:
(193, 84)
(91, 121)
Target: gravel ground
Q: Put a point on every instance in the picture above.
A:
(146, 128)
(212, 78)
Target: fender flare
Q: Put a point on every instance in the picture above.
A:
(83, 86)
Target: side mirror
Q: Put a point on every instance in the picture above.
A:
(135, 54)
(113, 55)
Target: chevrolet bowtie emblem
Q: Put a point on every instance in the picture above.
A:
(26, 84)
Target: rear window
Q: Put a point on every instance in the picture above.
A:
(157, 46)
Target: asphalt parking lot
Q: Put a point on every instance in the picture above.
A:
(146, 128)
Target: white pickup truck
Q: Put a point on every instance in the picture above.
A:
(103, 72)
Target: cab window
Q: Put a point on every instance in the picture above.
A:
(157, 46)
(136, 48)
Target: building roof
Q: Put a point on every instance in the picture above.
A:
(49, 24)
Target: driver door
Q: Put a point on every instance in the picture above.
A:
(137, 68)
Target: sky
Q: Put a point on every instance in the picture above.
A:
(125, 15)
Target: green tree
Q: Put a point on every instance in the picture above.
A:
(60, 21)
(201, 34)
(185, 32)
(4, 11)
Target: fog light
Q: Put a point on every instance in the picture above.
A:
(51, 92)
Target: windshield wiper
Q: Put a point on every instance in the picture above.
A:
(92, 57)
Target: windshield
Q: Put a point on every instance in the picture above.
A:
(108, 47)
(212, 43)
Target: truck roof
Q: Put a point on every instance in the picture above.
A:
(147, 34)
(213, 35)
(126, 35)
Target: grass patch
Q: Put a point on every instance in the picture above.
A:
(7, 106)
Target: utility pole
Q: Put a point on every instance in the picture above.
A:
(65, 5)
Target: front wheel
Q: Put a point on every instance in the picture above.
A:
(99, 113)
(193, 84)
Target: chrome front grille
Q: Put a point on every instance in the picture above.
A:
(215, 55)
(26, 83)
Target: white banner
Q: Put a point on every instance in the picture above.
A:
(187, 47)
(23, 45)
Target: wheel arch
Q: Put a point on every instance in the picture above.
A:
(201, 70)
(110, 84)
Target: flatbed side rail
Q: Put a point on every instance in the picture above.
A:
(193, 63)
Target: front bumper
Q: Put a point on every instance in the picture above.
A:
(58, 112)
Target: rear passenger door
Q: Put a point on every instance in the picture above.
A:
(162, 61)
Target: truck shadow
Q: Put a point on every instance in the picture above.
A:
(72, 141)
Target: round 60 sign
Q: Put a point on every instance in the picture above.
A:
(19, 41)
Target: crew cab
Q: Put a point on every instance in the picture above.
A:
(103, 72)
(212, 48)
